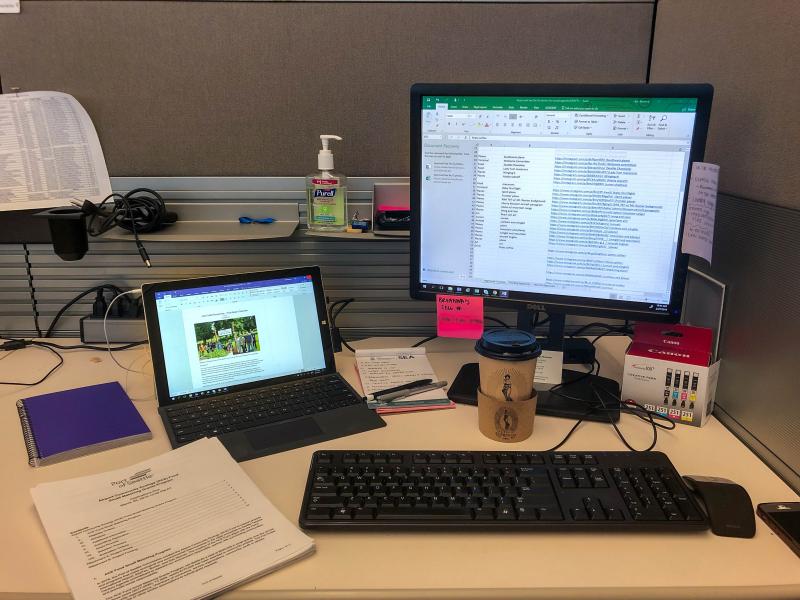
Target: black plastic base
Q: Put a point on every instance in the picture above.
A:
(581, 403)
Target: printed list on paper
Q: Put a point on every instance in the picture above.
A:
(186, 524)
(49, 152)
(701, 206)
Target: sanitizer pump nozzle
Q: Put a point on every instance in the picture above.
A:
(325, 156)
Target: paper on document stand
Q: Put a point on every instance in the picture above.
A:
(187, 524)
(49, 152)
(9, 6)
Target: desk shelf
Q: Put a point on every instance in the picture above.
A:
(219, 222)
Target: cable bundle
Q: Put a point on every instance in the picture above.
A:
(141, 210)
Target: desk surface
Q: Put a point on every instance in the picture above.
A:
(432, 565)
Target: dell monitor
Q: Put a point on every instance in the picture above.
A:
(568, 199)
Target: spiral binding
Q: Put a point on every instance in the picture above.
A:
(27, 434)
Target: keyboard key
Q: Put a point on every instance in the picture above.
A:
(579, 514)
(328, 501)
(423, 513)
(484, 514)
(525, 513)
(549, 513)
(317, 513)
(364, 514)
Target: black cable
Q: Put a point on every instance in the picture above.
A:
(91, 347)
(630, 407)
(32, 290)
(140, 210)
(619, 432)
(97, 288)
(424, 341)
(46, 375)
(569, 434)
(610, 328)
(488, 318)
(335, 313)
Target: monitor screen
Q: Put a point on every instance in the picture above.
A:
(216, 337)
(568, 197)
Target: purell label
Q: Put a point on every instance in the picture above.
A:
(325, 181)
(325, 193)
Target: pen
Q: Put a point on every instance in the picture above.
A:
(410, 391)
(399, 388)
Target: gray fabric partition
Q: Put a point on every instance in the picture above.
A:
(245, 88)
(749, 52)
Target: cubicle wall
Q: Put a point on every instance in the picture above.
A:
(245, 88)
(749, 51)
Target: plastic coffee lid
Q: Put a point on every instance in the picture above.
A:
(508, 344)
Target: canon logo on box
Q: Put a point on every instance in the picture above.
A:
(667, 353)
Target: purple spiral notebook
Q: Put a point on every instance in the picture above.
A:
(79, 421)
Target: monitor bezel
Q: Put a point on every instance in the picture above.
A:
(547, 302)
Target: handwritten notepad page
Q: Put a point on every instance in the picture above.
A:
(390, 367)
(701, 207)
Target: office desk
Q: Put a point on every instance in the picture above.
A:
(458, 565)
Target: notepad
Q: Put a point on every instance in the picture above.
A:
(389, 367)
(79, 421)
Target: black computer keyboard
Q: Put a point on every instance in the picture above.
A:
(497, 490)
(222, 414)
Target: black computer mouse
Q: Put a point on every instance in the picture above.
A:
(727, 504)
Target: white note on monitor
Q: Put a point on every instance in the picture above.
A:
(701, 207)
(187, 524)
(49, 152)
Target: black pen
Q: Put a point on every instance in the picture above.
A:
(402, 388)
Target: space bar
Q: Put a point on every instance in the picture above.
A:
(424, 514)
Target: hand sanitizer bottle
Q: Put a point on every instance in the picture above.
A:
(327, 192)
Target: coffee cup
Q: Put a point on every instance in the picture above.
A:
(507, 364)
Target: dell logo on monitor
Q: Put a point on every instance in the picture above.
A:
(539, 307)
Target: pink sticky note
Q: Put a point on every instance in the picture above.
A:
(459, 316)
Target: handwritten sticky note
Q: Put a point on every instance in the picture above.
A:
(701, 208)
(459, 316)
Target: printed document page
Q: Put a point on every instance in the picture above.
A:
(49, 152)
(187, 524)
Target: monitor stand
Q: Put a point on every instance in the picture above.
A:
(581, 403)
